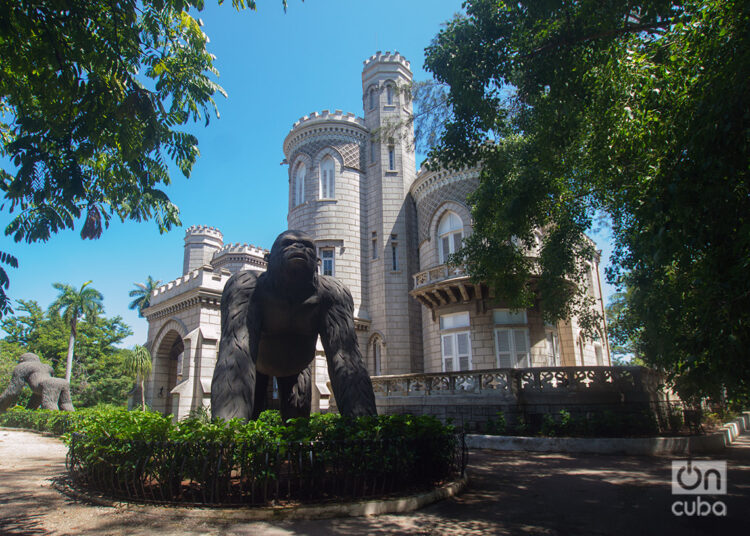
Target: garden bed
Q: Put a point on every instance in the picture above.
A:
(145, 457)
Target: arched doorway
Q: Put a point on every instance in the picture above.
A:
(167, 373)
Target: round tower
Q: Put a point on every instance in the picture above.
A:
(201, 242)
(325, 153)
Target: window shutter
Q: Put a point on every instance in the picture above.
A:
(448, 352)
(502, 341)
(456, 242)
(464, 351)
(446, 248)
(520, 338)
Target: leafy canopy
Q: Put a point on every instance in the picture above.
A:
(637, 111)
(94, 100)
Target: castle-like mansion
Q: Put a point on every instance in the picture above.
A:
(385, 230)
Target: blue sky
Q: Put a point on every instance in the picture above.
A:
(275, 68)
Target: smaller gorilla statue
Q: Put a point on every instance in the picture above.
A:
(49, 392)
(270, 323)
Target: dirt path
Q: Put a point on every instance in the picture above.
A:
(510, 493)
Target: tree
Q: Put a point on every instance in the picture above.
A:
(76, 303)
(93, 100)
(634, 110)
(142, 294)
(622, 336)
(138, 363)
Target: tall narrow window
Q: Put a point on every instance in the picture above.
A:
(372, 152)
(376, 356)
(391, 158)
(389, 94)
(553, 348)
(394, 253)
(374, 245)
(326, 261)
(450, 235)
(455, 342)
(299, 184)
(372, 99)
(599, 354)
(590, 280)
(327, 182)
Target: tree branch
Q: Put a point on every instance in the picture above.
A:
(562, 43)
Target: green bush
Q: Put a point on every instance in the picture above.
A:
(115, 445)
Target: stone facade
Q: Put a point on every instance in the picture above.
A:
(385, 230)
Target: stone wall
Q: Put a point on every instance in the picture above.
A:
(473, 397)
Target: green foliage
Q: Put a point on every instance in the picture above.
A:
(142, 294)
(74, 304)
(636, 111)
(10, 260)
(497, 426)
(149, 446)
(94, 101)
(138, 364)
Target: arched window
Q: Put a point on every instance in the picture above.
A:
(389, 94)
(299, 184)
(450, 234)
(371, 96)
(327, 183)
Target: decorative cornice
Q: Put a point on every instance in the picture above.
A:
(429, 181)
(325, 124)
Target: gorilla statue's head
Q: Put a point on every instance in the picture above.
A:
(28, 356)
(293, 258)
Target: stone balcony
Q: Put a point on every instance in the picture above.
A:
(446, 284)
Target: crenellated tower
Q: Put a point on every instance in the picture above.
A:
(201, 242)
(390, 213)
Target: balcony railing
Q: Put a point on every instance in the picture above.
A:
(437, 274)
(513, 381)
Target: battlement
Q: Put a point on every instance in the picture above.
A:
(237, 248)
(205, 278)
(379, 57)
(326, 115)
(204, 230)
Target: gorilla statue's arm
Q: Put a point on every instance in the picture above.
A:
(233, 384)
(13, 391)
(351, 384)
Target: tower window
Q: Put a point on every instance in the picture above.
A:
(372, 152)
(376, 356)
(327, 182)
(372, 99)
(299, 184)
(374, 245)
(326, 261)
(450, 235)
(391, 158)
(389, 94)
(394, 253)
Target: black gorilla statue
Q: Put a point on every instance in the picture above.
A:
(270, 322)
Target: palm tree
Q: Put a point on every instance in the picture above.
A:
(138, 363)
(76, 303)
(142, 294)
